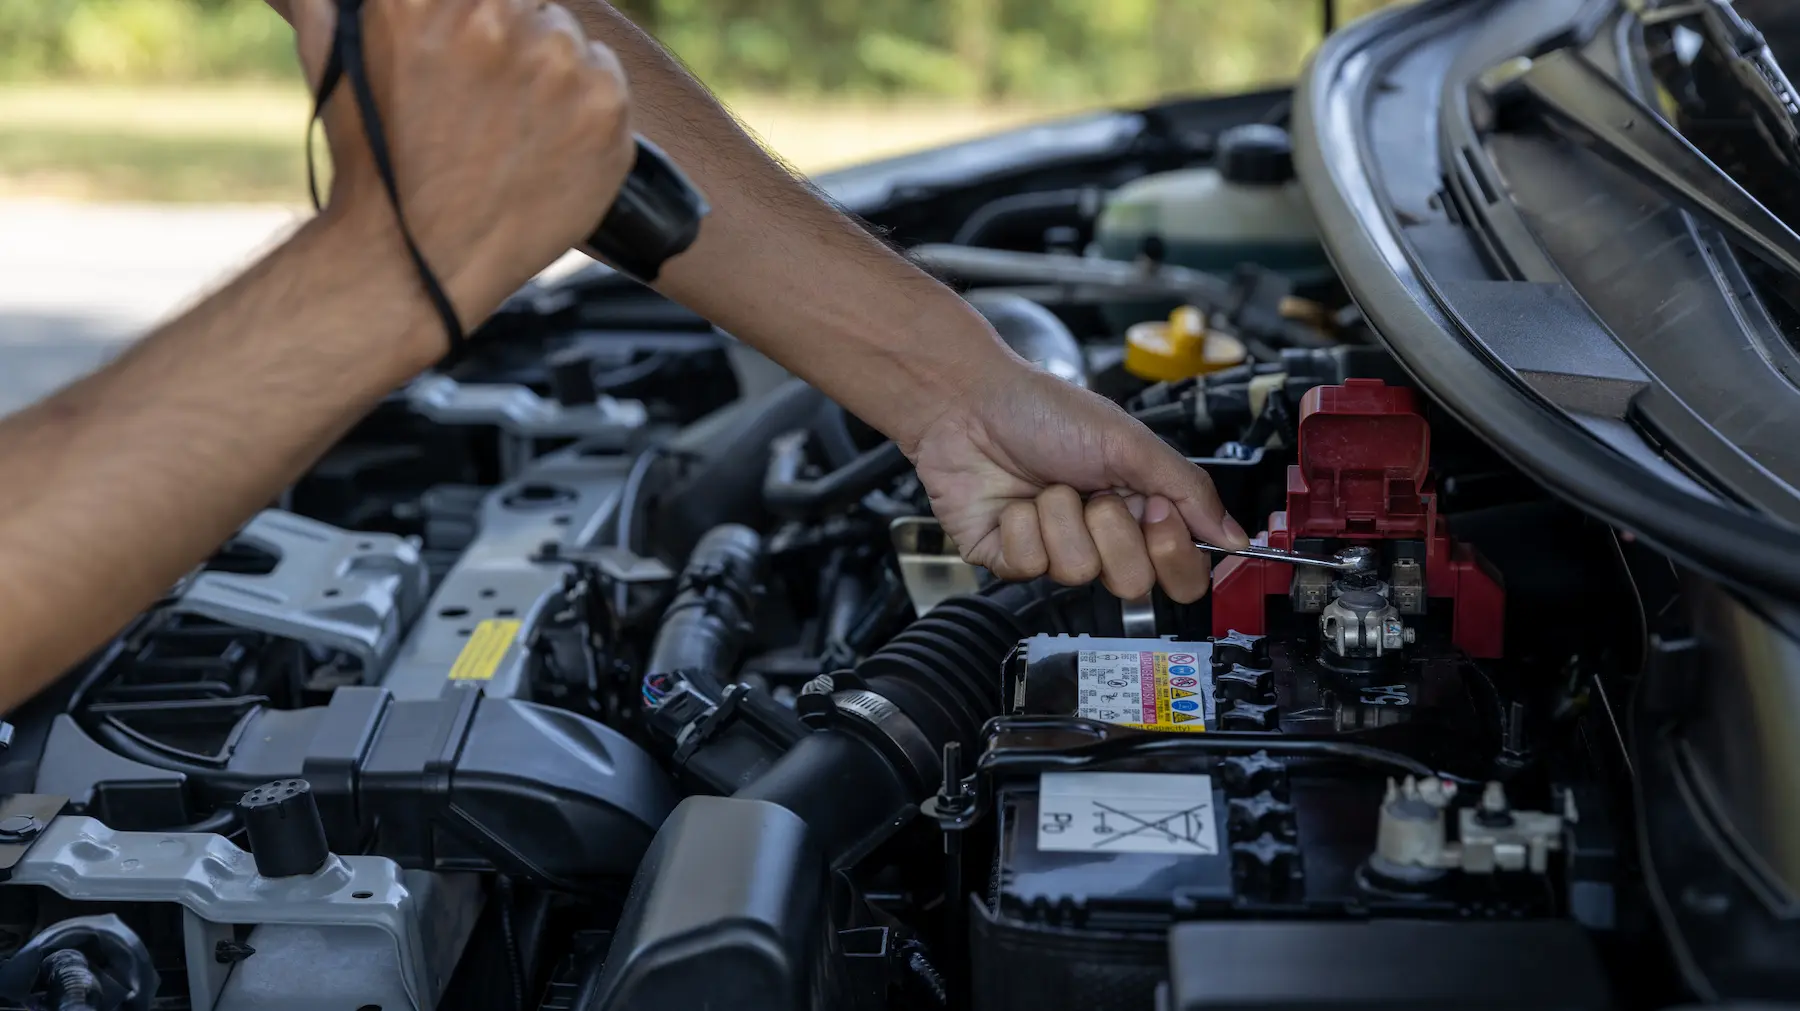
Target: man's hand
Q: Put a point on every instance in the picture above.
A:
(1006, 470)
(508, 129)
(509, 136)
(1006, 454)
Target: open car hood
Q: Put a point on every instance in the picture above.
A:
(1577, 315)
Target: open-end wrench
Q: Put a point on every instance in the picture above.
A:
(1349, 561)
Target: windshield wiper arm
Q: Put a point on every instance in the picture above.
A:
(1743, 51)
(1582, 103)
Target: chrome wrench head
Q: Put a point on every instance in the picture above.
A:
(1349, 561)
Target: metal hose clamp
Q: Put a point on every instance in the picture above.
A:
(892, 726)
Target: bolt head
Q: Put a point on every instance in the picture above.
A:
(1358, 559)
(19, 827)
(815, 709)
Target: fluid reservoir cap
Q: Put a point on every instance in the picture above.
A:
(1256, 154)
(1179, 349)
(287, 836)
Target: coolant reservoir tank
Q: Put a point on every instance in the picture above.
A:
(1182, 347)
(1245, 208)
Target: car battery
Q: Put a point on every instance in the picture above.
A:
(1096, 861)
(1432, 702)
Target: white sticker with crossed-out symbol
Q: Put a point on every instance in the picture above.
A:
(1126, 812)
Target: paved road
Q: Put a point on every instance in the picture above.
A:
(78, 282)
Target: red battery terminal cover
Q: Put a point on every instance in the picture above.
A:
(1362, 477)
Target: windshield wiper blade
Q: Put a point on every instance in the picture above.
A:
(1745, 53)
(1582, 103)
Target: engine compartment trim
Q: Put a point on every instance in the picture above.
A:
(82, 859)
(565, 499)
(356, 592)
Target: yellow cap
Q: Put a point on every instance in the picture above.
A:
(1179, 349)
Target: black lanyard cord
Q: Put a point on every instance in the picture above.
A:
(346, 63)
(655, 216)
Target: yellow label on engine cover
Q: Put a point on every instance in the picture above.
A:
(487, 646)
(1151, 690)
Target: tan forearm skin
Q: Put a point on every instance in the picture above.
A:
(113, 488)
(779, 268)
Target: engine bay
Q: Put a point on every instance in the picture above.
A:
(614, 668)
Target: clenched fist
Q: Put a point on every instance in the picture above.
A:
(1036, 476)
(509, 133)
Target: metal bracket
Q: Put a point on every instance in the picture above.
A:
(518, 410)
(348, 591)
(23, 817)
(557, 506)
(82, 859)
(207, 973)
(616, 564)
(929, 565)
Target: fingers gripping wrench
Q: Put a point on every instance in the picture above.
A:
(655, 217)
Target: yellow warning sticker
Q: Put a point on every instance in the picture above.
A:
(487, 646)
(1147, 689)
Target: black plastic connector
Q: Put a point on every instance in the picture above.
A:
(724, 747)
(287, 836)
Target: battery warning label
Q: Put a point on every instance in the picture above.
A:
(1149, 689)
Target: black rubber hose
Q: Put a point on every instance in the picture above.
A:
(996, 213)
(788, 495)
(847, 791)
(218, 782)
(707, 623)
(927, 974)
(1042, 605)
(723, 459)
(224, 821)
(1034, 333)
(627, 519)
(944, 669)
(943, 673)
(884, 606)
(844, 598)
(1164, 415)
(108, 949)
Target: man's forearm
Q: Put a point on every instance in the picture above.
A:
(113, 488)
(782, 270)
(779, 268)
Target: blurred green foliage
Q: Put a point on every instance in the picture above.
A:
(143, 40)
(1053, 51)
